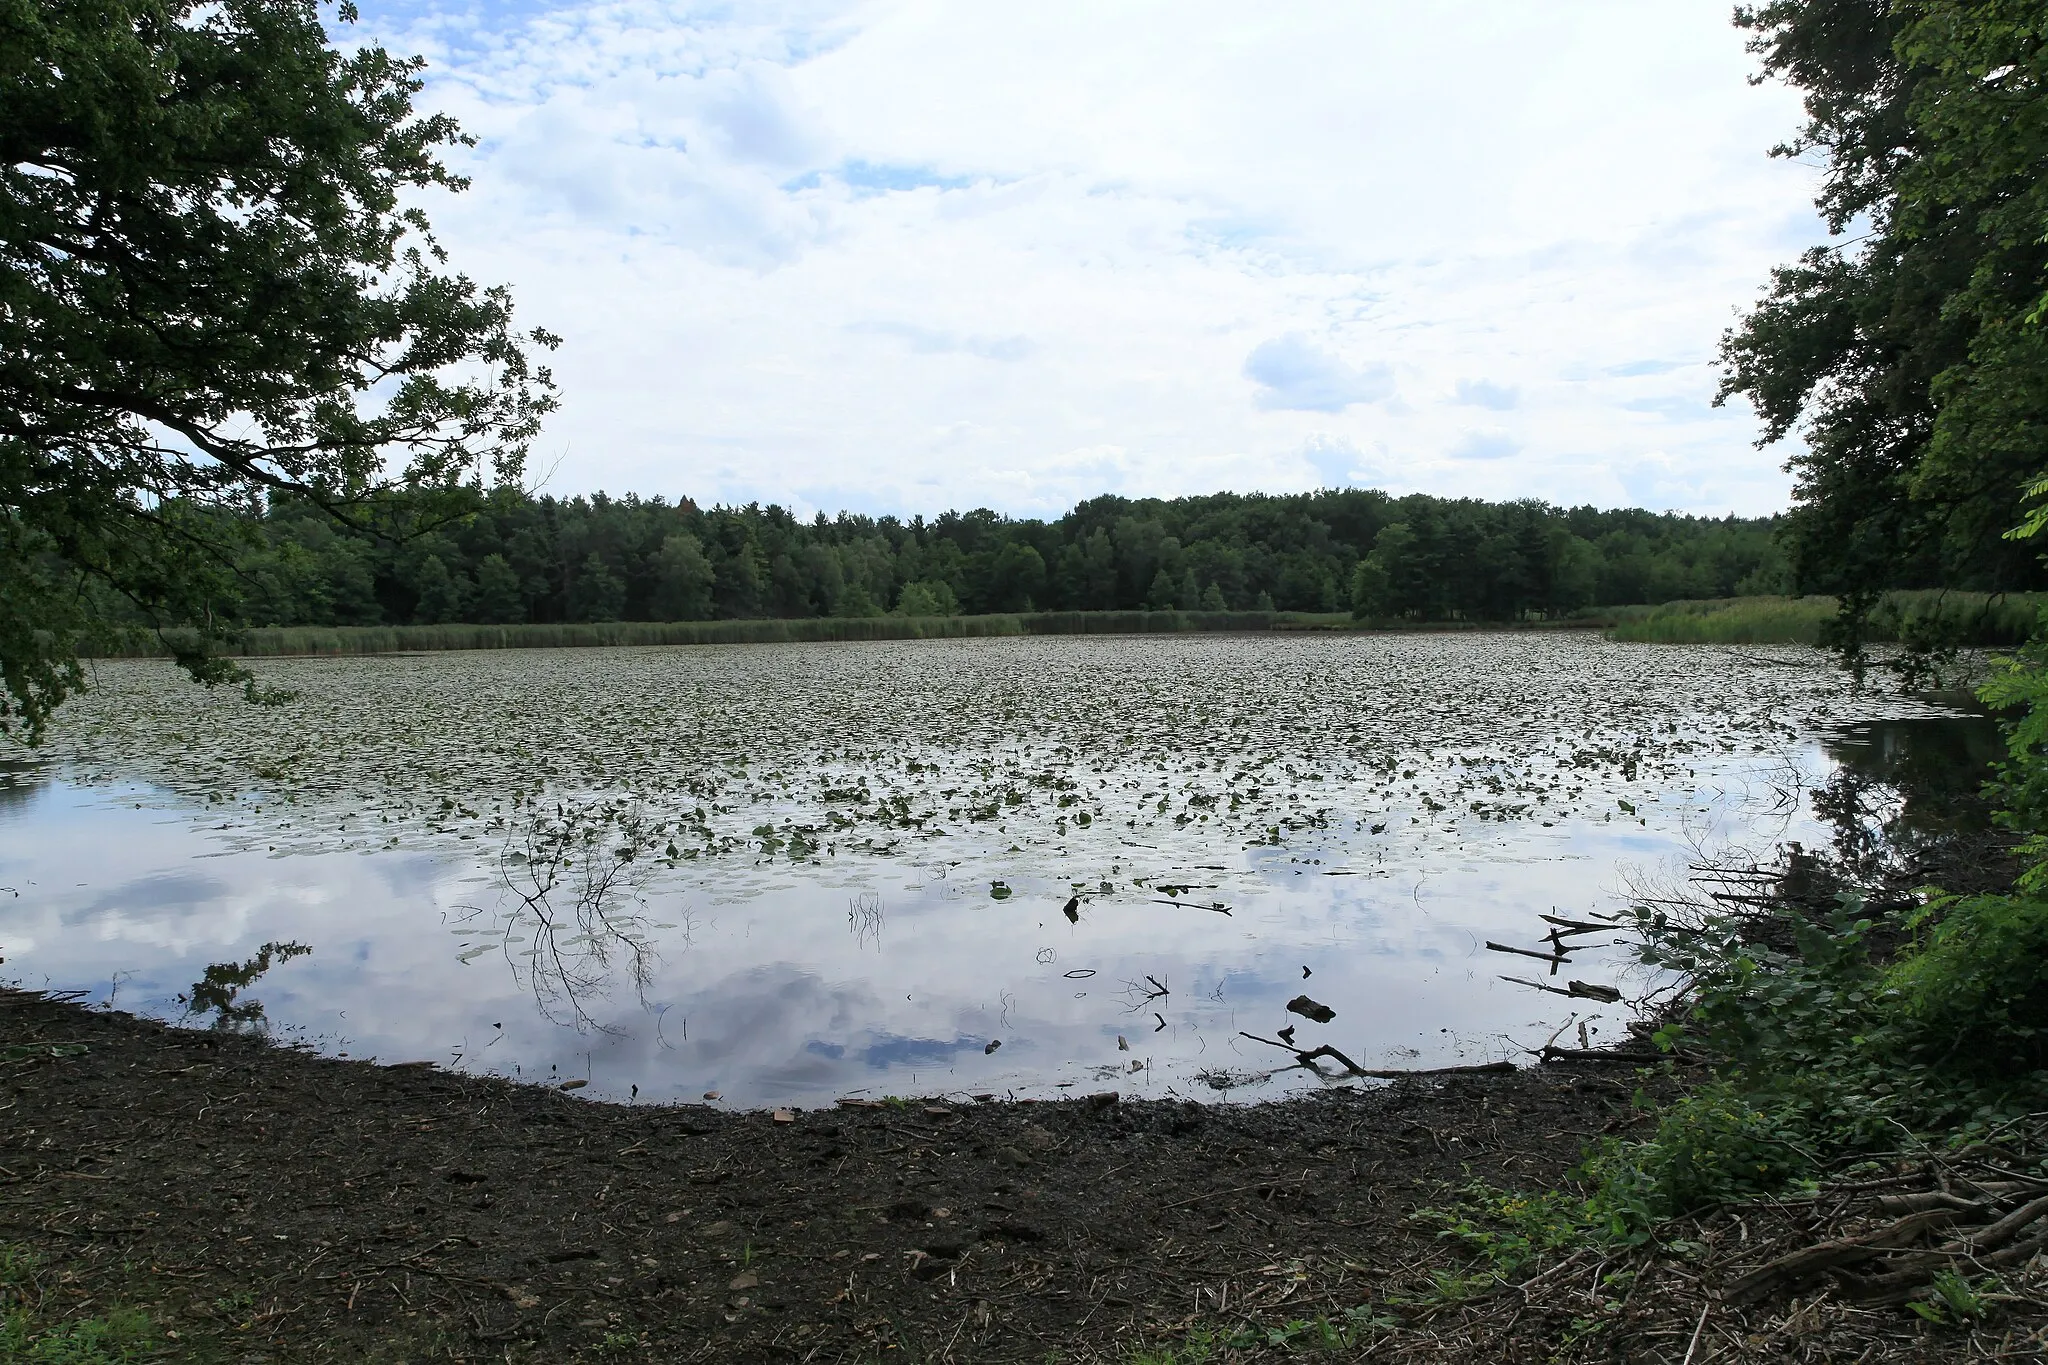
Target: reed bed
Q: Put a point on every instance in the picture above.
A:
(280, 641)
(1962, 618)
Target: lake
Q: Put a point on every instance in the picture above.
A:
(1027, 866)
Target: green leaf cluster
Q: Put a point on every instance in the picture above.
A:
(213, 291)
(1908, 357)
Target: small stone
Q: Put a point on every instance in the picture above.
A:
(746, 1279)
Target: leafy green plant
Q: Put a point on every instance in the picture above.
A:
(32, 1336)
(1952, 1298)
(119, 1336)
(1975, 991)
(1509, 1230)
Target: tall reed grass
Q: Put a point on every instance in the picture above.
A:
(1961, 618)
(277, 641)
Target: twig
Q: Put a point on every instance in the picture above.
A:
(1695, 1343)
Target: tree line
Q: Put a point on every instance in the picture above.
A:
(510, 557)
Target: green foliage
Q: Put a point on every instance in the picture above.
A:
(210, 295)
(1511, 1231)
(339, 640)
(927, 599)
(118, 1336)
(1975, 992)
(1719, 1144)
(511, 559)
(1909, 358)
(1822, 1052)
(31, 1334)
(1954, 1299)
(2020, 689)
(1932, 622)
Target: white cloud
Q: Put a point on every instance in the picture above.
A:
(1481, 393)
(1293, 372)
(1490, 444)
(901, 255)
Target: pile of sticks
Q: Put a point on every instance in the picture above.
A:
(1971, 1212)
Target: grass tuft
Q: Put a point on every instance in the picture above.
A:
(32, 1334)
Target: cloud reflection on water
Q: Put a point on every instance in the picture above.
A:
(791, 982)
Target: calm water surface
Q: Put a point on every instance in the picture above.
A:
(1016, 866)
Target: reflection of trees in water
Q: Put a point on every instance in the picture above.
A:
(1907, 810)
(1907, 795)
(218, 990)
(18, 782)
(573, 908)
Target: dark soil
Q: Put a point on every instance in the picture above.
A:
(263, 1204)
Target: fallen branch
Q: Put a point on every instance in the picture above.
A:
(1809, 1261)
(1577, 926)
(1583, 990)
(1552, 958)
(1308, 1059)
(1595, 1054)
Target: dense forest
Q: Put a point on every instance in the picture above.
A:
(510, 557)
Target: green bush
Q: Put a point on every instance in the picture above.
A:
(1717, 1145)
(1974, 994)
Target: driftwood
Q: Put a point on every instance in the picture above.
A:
(1552, 958)
(1583, 990)
(1308, 1059)
(1576, 926)
(1595, 1054)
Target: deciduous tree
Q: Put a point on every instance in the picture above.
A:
(211, 294)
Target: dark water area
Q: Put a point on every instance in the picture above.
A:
(1914, 798)
(1938, 765)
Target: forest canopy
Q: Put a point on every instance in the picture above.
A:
(511, 557)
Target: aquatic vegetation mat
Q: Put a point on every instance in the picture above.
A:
(1085, 746)
(785, 872)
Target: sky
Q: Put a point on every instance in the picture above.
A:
(904, 256)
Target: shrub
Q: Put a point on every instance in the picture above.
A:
(1974, 993)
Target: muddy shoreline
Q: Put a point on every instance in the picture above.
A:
(266, 1204)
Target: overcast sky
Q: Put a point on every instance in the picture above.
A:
(906, 256)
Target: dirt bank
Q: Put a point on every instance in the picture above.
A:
(263, 1205)
(266, 1205)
